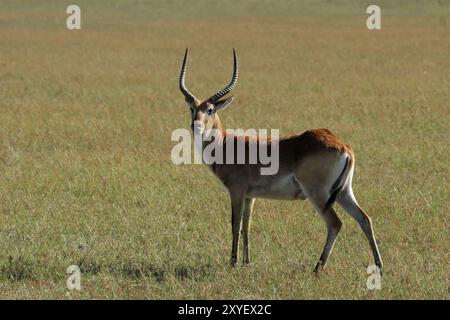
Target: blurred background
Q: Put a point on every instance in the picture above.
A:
(86, 118)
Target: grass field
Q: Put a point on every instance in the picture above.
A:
(86, 118)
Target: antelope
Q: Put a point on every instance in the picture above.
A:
(313, 165)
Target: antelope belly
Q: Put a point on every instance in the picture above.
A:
(280, 187)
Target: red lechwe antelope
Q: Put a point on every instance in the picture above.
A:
(314, 165)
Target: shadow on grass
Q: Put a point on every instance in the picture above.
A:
(125, 269)
(19, 269)
(133, 270)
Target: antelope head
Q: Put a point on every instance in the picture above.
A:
(203, 113)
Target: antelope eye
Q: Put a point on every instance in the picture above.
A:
(209, 112)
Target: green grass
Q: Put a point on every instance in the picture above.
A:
(85, 124)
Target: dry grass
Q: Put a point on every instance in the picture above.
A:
(85, 124)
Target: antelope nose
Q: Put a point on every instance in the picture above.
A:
(197, 124)
(198, 127)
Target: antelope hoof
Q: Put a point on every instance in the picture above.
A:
(318, 268)
(233, 262)
(380, 267)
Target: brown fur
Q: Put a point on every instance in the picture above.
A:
(309, 157)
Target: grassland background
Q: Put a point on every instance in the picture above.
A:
(85, 124)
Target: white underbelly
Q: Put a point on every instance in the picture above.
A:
(282, 187)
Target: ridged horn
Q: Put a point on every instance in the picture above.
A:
(188, 95)
(231, 85)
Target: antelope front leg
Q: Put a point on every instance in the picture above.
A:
(237, 207)
(248, 208)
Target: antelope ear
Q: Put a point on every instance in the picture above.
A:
(223, 103)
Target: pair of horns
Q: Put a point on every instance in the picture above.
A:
(219, 94)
